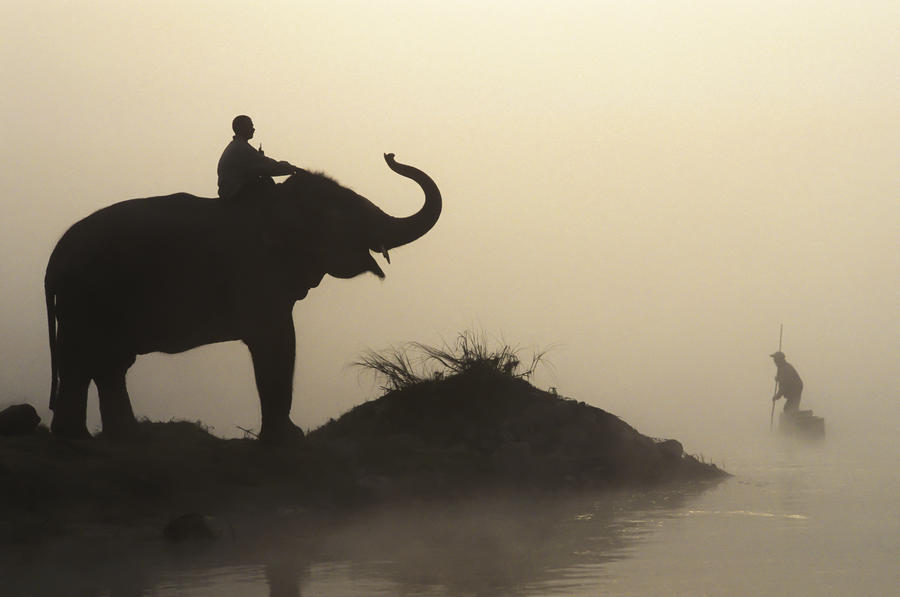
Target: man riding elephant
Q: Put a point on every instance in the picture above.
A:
(242, 168)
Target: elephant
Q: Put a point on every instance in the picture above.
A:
(171, 273)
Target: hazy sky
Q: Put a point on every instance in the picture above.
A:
(649, 187)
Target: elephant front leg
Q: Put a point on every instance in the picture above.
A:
(273, 353)
(115, 405)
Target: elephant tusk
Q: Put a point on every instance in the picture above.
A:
(384, 252)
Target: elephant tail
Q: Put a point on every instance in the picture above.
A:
(50, 296)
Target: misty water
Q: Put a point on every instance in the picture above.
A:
(796, 519)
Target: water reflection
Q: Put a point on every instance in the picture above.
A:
(498, 545)
(284, 577)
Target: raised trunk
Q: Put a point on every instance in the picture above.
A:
(400, 231)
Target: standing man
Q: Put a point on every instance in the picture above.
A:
(242, 168)
(787, 383)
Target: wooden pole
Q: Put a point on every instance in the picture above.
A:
(772, 414)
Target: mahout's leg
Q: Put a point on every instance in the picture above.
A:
(792, 403)
(272, 348)
(115, 405)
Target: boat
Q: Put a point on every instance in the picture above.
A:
(802, 424)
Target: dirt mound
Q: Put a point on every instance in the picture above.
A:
(485, 428)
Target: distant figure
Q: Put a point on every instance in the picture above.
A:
(241, 167)
(788, 383)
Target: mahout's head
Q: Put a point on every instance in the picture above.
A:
(243, 127)
(778, 357)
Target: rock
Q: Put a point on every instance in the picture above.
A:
(471, 429)
(19, 419)
(671, 449)
(191, 527)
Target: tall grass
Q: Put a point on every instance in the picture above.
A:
(415, 362)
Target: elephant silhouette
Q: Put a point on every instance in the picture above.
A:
(166, 274)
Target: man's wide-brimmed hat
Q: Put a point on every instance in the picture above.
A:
(777, 355)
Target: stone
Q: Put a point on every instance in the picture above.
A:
(19, 419)
(191, 527)
(671, 449)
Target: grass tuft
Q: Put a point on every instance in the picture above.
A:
(414, 362)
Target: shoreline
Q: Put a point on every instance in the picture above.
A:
(450, 438)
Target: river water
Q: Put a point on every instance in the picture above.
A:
(796, 519)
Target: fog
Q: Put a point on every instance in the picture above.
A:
(648, 189)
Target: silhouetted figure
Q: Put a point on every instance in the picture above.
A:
(241, 167)
(788, 383)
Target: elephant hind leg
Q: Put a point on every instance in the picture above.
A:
(70, 407)
(115, 405)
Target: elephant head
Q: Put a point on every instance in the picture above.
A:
(345, 227)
